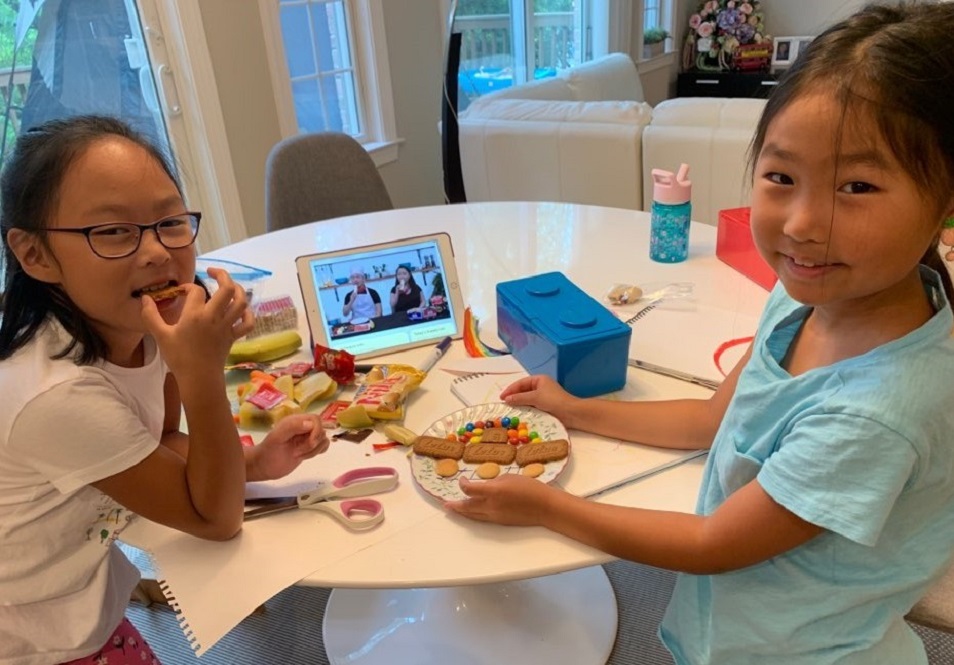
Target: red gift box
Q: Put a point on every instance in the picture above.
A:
(735, 246)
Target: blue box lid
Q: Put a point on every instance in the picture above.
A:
(561, 308)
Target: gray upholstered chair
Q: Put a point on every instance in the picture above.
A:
(311, 177)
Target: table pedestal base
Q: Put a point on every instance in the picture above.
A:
(566, 618)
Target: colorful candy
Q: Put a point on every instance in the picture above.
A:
(518, 432)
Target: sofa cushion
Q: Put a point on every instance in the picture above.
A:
(613, 76)
(586, 162)
(534, 110)
(738, 113)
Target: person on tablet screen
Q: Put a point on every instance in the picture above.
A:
(363, 302)
(405, 294)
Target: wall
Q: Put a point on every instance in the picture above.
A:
(805, 17)
(233, 31)
(416, 56)
(237, 50)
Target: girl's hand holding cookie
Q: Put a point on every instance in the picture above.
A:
(199, 341)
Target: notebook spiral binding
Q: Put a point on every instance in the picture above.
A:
(643, 312)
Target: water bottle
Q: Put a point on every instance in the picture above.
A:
(669, 229)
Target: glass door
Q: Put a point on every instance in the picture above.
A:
(61, 58)
(508, 42)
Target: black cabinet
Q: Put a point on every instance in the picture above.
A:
(726, 84)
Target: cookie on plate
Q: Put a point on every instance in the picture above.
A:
(446, 467)
(431, 446)
(488, 470)
(533, 470)
(543, 452)
(478, 453)
(494, 435)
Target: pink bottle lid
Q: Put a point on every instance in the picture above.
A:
(672, 189)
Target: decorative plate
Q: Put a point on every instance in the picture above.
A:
(448, 489)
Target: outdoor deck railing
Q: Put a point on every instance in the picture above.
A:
(13, 91)
(486, 40)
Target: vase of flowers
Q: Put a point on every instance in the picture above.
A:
(718, 28)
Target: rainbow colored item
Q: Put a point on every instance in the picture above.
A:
(474, 347)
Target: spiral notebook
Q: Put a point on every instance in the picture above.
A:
(481, 388)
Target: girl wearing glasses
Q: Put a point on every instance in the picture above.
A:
(95, 368)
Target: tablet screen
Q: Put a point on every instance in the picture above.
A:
(382, 298)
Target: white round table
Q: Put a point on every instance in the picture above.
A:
(434, 587)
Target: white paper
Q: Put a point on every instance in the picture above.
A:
(492, 365)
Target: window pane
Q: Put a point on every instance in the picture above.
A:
(346, 111)
(297, 37)
(553, 44)
(308, 105)
(329, 93)
(652, 17)
(497, 33)
(316, 32)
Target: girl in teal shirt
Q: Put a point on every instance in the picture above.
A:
(827, 505)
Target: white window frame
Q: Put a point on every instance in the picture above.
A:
(182, 67)
(372, 76)
(668, 11)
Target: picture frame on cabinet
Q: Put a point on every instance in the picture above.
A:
(785, 50)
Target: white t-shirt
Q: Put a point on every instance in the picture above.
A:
(64, 584)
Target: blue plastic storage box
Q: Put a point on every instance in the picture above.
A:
(553, 328)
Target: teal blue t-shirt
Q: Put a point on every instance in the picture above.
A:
(863, 448)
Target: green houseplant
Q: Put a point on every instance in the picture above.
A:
(654, 42)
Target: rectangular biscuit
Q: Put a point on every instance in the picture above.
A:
(478, 453)
(494, 435)
(431, 446)
(546, 451)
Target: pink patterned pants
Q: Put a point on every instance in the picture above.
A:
(124, 647)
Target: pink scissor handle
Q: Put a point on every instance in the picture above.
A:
(356, 514)
(358, 482)
(356, 475)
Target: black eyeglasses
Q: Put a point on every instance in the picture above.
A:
(121, 239)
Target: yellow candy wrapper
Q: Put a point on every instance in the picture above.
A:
(385, 389)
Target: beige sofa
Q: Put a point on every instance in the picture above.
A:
(587, 136)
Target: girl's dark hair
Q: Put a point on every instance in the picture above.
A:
(410, 276)
(29, 191)
(893, 64)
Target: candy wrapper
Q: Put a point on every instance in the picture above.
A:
(266, 397)
(339, 365)
(624, 294)
(384, 391)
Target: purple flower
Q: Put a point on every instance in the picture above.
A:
(745, 33)
(729, 18)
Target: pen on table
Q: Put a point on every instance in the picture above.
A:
(674, 374)
(436, 354)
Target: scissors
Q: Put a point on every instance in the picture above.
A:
(356, 514)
